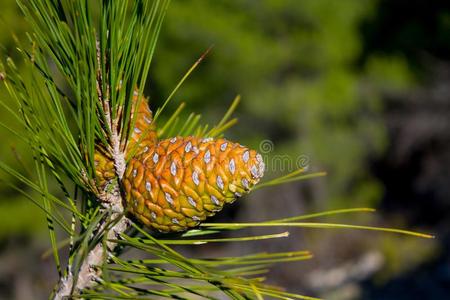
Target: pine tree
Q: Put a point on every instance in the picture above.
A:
(123, 179)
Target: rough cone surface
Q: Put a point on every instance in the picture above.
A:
(175, 184)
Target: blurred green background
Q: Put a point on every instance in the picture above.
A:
(358, 88)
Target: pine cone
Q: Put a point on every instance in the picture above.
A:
(174, 184)
(104, 170)
(181, 181)
(144, 131)
(143, 137)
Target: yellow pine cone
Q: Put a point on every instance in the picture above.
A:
(104, 169)
(176, 183)
(144, 131)
(181, 181)
(143, 136)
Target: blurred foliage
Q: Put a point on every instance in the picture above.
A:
(17, 215)
(296, 65)
(414, 29)
(400, 259)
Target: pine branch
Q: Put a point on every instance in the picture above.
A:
(94, 53)
(89, 273)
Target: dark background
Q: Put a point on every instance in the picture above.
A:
(359, 88)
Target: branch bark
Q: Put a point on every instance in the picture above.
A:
(89, 273)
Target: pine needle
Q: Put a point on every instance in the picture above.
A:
(314, 225)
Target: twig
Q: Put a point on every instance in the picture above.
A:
(89, 272)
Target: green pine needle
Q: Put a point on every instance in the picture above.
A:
(314, 225)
